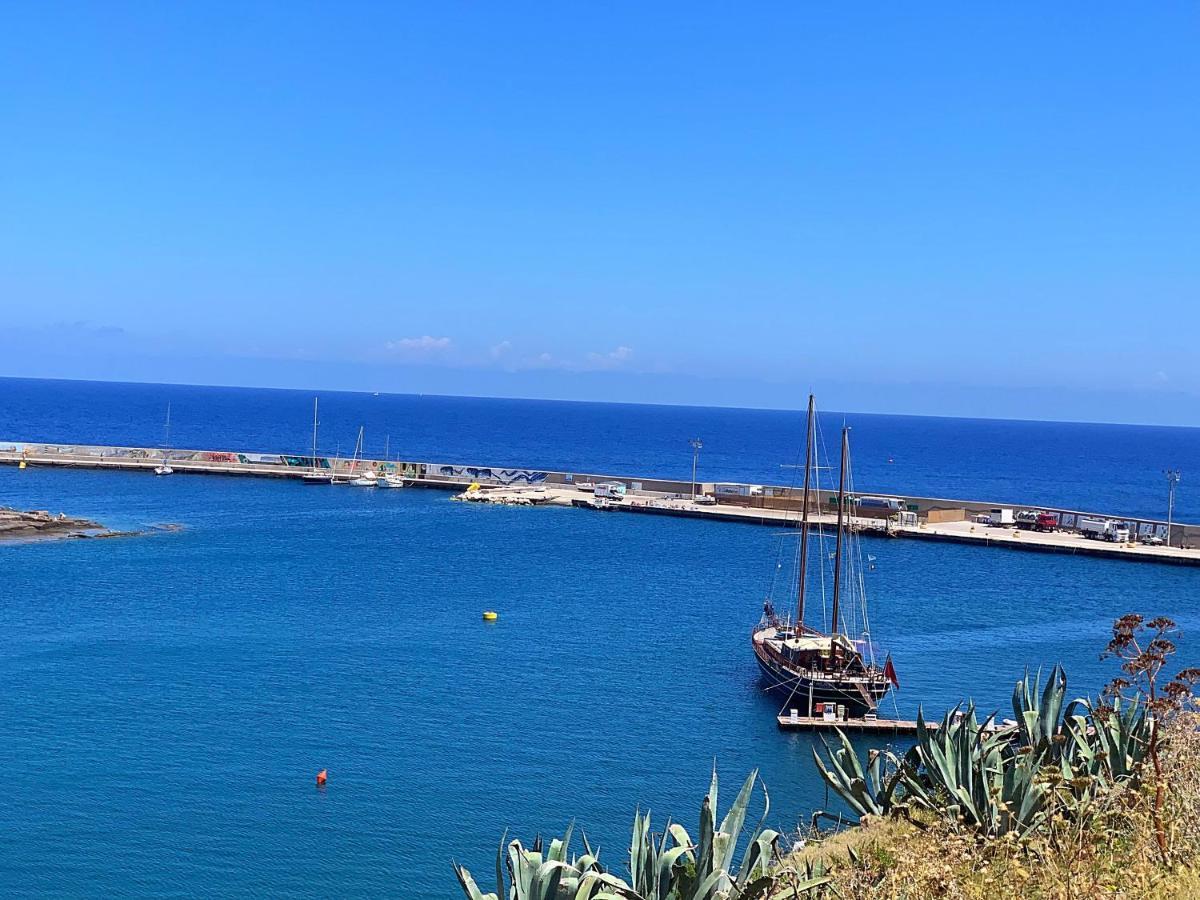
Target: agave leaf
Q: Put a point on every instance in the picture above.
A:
(756, 836)
(558, 847)
(640, 850)
(844, 774)
(708, 887)
(666, 871)
(761, 852)
(468, 885)
(725, 842)
(680, 836)
(522, 865)
(704, 852)
(500, 866)
(545, 882)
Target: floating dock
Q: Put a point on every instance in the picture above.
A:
(920, 518)
(875, 726)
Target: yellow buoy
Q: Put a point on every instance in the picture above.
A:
(21, 465)
(490, 616)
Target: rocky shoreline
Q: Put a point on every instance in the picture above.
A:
(24, 525)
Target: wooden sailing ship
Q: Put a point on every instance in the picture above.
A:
(811, 668)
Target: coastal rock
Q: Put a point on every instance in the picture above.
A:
(18, 524)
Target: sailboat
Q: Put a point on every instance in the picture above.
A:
(392, 480)
(163, 468)
(368, 478)
(315, 475)
(808, 666)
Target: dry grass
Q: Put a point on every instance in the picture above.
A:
(1114, 854)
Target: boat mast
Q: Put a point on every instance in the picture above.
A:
(314, 455)
(837, 564)
(803, 574)
(167, 427)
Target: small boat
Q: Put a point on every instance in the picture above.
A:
(391, 480)
(586, 486)
(366, 479)
(600, 503)
(163, 468)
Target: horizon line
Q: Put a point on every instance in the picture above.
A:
(782, 409)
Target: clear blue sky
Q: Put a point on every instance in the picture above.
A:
(942, 208)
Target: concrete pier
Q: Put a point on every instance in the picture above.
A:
(920, 518)
(875, 726)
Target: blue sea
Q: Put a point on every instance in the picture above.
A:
(167, 700)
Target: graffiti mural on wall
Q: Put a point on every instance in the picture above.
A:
(306, 462)
(260, 459)
(503, 476)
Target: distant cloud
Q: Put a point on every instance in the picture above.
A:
(614, 359)
(419, 345)
(592, 362)
(500, 349)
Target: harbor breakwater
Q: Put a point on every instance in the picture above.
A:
(936, 518)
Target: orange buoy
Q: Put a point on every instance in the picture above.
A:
(322, 777)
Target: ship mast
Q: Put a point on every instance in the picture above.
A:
(837, 564)
(314, 456)
(808, 454)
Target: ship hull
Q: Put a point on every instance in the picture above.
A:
(797, 689)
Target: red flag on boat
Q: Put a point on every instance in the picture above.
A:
(889, 672)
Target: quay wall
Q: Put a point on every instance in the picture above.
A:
(458, 475)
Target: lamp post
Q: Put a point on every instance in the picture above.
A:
(1172, 480)
(696, 445)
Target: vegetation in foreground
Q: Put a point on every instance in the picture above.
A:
(1075, 800)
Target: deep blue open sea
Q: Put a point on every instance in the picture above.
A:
(167, 700)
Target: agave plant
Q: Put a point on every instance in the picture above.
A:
(967, 769)
(1040, 720)
(535, 875)
(667, 866)
(868, 792)
(1000, 779)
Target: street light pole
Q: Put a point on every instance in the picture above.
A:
(696, 445)
(1172, 480)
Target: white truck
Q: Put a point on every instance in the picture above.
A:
(1103, 529)
(1001, 517)
(611, 490)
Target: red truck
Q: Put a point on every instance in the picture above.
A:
(1037, 520)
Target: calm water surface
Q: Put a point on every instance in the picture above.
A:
(167, 700)
(1103, 468)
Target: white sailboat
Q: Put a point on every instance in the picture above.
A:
(390, 479)
(315, 476)
(163, 468)
(364, 479)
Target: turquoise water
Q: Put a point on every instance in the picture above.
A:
(168, 700)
